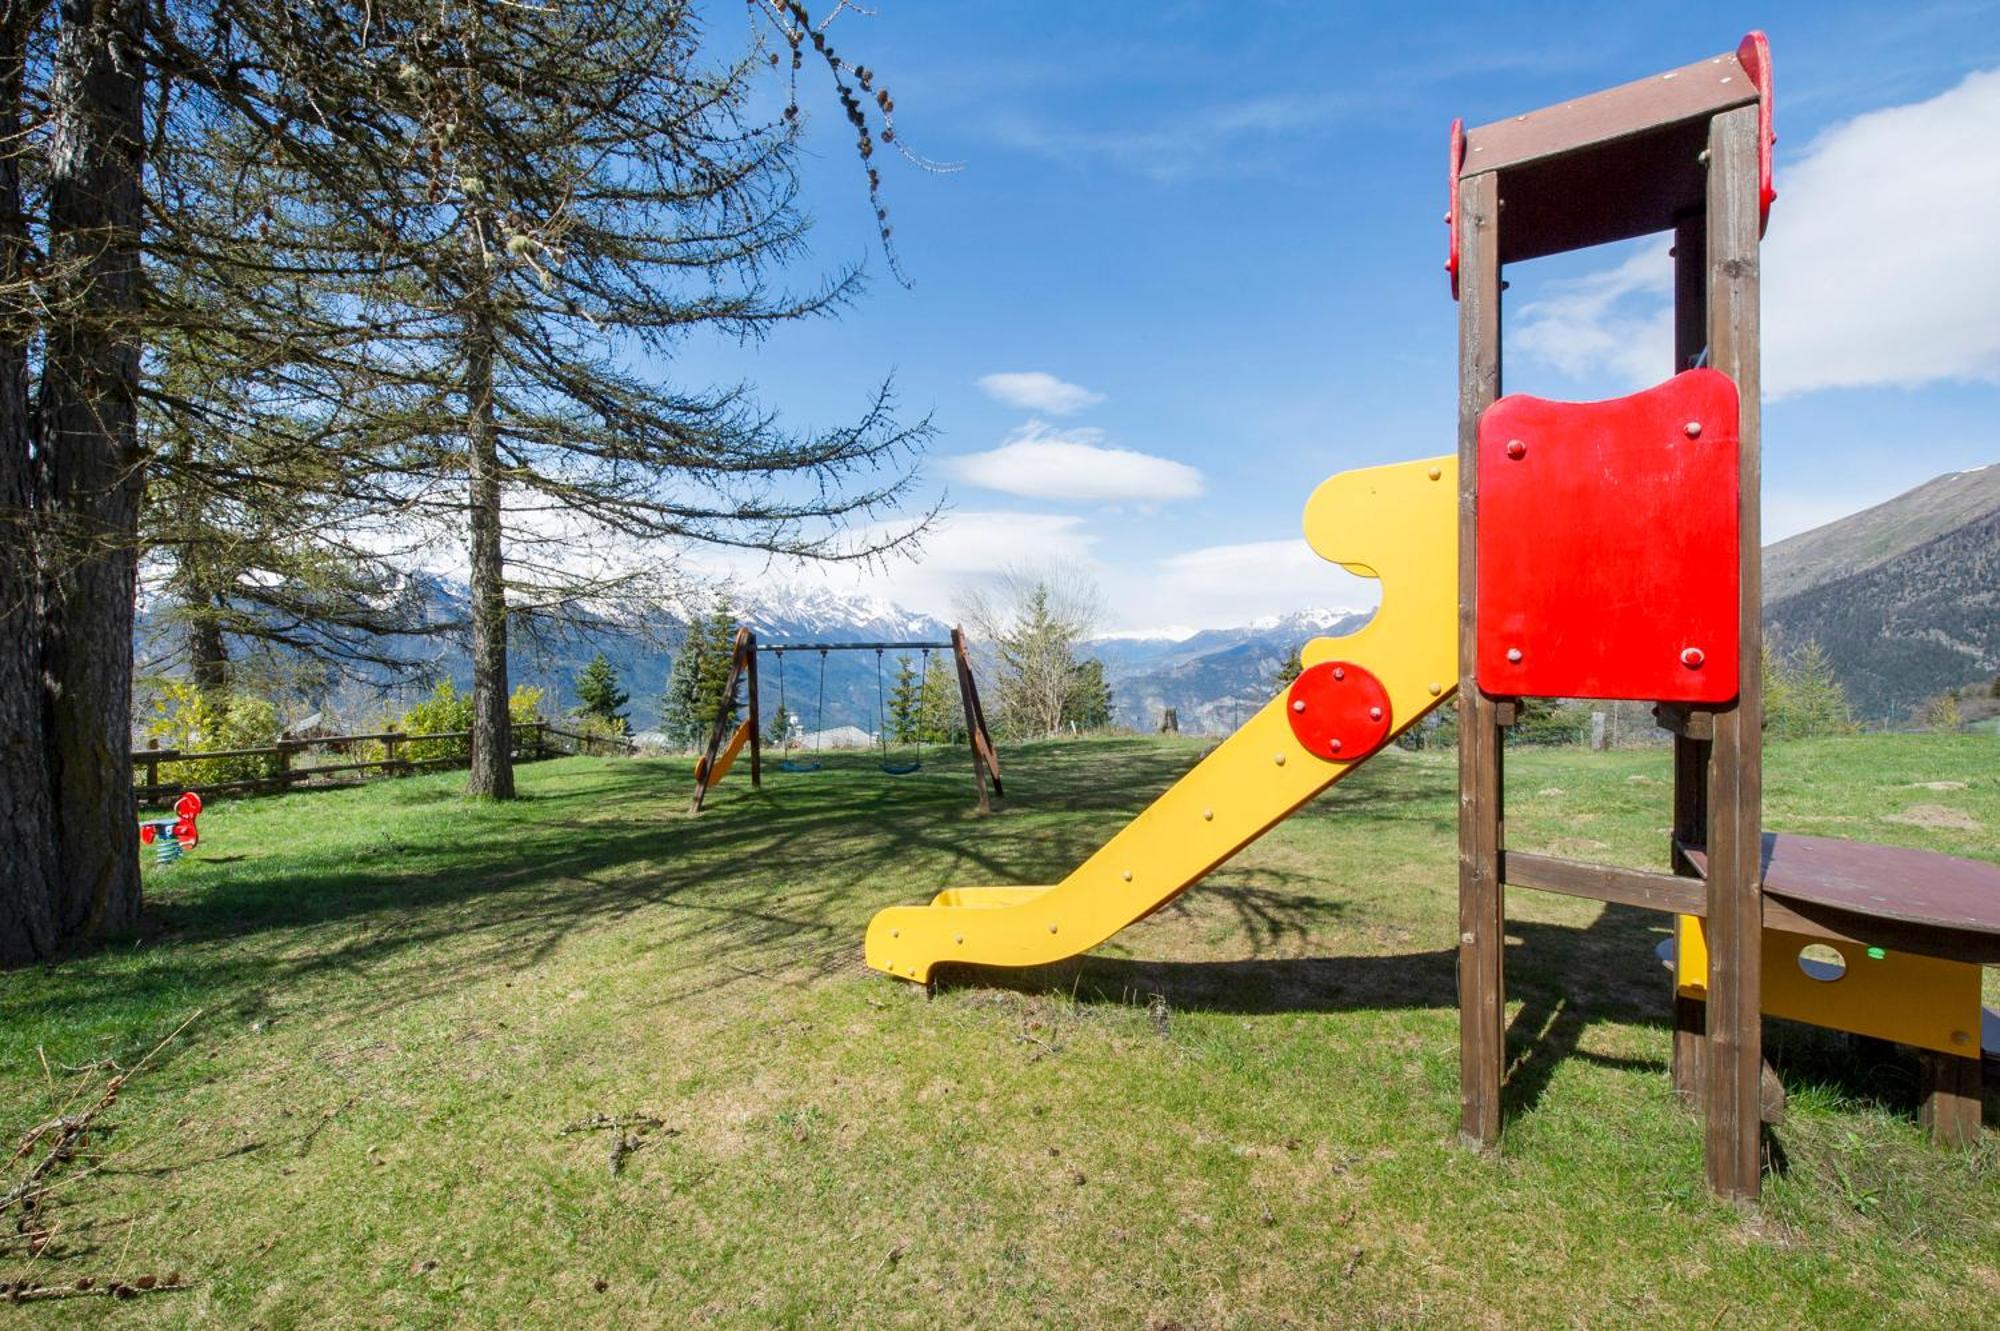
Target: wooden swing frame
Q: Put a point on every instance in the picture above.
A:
(726, 743)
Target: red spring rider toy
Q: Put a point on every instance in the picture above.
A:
(169, 837)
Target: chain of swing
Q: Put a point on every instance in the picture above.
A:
(913, 763)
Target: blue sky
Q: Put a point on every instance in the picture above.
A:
(1205, 241)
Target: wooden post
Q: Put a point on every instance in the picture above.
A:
(968, 701)
(1481, 908)
(281, 775)
(1735, 761)
(1690, 754)
(720, 730)
(1952, 1103)
(152, 765)
(756, 721)
(986, 746)
(392, 762)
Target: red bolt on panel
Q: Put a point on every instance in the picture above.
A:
(1339, 711)
(1608, 545)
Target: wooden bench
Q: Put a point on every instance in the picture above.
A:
(1875, 902)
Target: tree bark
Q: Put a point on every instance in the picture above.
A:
(90, 448)
(208, 653)
(28, 867)
(197, 585)
(492, 767)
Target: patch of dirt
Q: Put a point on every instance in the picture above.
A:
(1941, 816)
(1937, 785)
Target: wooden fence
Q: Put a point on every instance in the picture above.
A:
(284, 771)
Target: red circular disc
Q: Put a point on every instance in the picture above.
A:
(1339, 711)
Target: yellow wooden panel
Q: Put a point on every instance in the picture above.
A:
(1922, 1001)
(727, 758)
(1398, 523)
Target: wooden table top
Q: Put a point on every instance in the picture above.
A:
(1915, 887)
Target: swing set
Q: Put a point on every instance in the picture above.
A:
(726, 742)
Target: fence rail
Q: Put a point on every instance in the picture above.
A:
(532, 740)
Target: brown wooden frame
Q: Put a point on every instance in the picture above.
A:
(1691, 151)
(742, 662)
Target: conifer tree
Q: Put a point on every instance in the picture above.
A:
(695, 681)
(779, 732)
(905, 702)
(1817, 700)
(717, 658)
(598, 694)
(1090, 698)
(1289, 669)
(941, 713)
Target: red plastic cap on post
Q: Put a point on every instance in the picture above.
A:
(1457, 163)
(1754, 54)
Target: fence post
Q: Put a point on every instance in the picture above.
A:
(391, 763)
(152, 765)
(282, 768)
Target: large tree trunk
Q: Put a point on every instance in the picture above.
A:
(28, 872)
(90, 447)
(492, 774)
(196, 587)
(208, 652)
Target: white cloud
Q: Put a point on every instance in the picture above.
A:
(1217, 586)
(1220, 586)
(1879, 268)
(1213, 140)
(1035, 390)
(961, 550)
(1038, 462)
(1589, 324)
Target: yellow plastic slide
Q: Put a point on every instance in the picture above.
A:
(1397, 523)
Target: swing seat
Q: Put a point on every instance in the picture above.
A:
(902, 769)
(789, 766)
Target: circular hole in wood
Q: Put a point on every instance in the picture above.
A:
(1821, 962)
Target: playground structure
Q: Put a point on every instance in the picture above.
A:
(730, 735)
(172, 837)
(1597, 550)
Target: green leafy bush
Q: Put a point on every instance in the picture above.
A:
(187, 718)
(448, 710)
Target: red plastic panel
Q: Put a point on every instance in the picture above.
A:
(1608, 545)
(1339, 711)
(1754, 54)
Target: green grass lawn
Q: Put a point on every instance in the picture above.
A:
(1241, 1113)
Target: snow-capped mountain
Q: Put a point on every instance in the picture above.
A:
(795, 612)
(1215, 678)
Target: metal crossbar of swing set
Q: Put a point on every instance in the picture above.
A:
(853, 646)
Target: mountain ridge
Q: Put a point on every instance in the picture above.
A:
(1904, 596)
